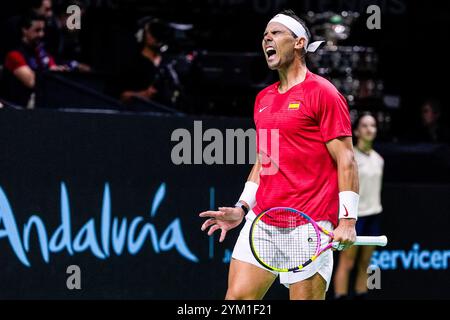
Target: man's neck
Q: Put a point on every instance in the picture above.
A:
(294, 74)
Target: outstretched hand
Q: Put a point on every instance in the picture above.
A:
(225, 219)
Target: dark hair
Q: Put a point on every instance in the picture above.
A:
(358, 121)
(156, 27)
(28, 18)
(291, 13)
(158, 30)
(362, 115)
(35, 4)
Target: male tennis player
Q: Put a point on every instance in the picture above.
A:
(316, 171)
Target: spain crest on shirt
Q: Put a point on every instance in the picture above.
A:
(294, 106)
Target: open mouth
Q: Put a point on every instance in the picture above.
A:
(270, 51)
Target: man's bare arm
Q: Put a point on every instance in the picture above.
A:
(341, 150)
(253, 176)
(26, 76)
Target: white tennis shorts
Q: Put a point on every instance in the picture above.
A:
(322, 265)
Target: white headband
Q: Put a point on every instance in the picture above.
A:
(297, 28)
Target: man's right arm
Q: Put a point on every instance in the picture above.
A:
(15, 62)
(26, 76)
(253, 177)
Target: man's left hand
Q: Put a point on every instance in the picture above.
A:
(345, 233)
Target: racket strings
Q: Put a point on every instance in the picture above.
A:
(284, 241)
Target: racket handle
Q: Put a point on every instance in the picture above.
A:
(371, 241)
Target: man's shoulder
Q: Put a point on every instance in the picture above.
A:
(270, 89)
(14, 53)
(318, 84)
(14, 59)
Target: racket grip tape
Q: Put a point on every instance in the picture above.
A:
(371, 241)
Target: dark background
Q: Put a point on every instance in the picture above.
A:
(132, 154)
(412, 43)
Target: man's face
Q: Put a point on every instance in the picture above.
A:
(34, 34)
(45, 9)
(279, 45)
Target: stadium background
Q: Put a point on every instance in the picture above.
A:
(80, 142)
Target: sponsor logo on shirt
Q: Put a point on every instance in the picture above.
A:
(263, 108)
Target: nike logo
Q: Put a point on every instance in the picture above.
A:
(346, 211)
(262, 109)
(297, 271)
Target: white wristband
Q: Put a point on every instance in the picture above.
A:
(348, 205)
(249, 193)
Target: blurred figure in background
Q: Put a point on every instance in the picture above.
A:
(63, 43)
(42, 8)
(141, 74)
(432, 129)
(151, 75)
(28, 58)
(370, 168)
(11, 33)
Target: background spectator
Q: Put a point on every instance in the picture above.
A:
(151, 75)
(431, 128)
(64, 43)
(29, 57)
(11, 33)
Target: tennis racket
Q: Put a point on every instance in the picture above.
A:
(284, 239)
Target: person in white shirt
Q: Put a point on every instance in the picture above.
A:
(370, 168)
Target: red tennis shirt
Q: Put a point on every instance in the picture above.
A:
(292, 131)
